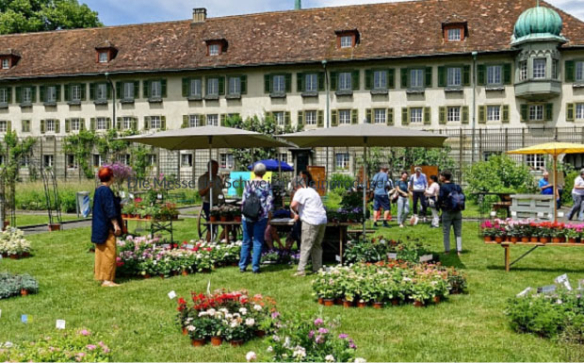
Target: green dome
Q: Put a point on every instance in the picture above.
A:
(538, 22)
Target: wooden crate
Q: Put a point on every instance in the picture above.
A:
(532, 206)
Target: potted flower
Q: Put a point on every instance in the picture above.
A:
(545, 232)
(500, 233)
(535, 232)
(28, 285)
(214, 214)
(488, 231)
(236, 213)
(128, 210)
(217, 331)
(198, 331)
(572, 233)
(513, 232)
(237, 332)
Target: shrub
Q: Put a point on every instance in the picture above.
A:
(13, 243)
(11, 285)
(339, 183)
(568, 186)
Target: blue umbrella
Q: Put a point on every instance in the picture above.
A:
(272, 165)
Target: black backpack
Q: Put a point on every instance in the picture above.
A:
(252, 207)
(455, 201)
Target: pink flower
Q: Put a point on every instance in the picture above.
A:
(91, 347)
(84, 332)
(318, 322)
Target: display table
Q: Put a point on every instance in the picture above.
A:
(534, 245)
(156, 225)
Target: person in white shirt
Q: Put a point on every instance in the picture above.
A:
(578, 197)
(308, 207)
(432, 194)
(418, 185)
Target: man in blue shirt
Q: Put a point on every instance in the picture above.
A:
(381, 184)
(547, 188)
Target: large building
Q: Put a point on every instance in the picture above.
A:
(474, 69)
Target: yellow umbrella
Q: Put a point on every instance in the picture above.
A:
(554, 149)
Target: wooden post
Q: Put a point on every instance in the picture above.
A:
(507, 258)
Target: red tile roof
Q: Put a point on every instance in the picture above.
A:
(387, 30)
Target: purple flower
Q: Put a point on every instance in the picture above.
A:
(352, 344)
(319, 339)
(311, 334)
(318, 322)
(323, 331)
(91, 347)
(343, 336)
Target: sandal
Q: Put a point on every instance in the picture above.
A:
(109, 284)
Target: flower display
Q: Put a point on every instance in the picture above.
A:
(16, 285)
(531, 231)
(13, 244)
(378, 249)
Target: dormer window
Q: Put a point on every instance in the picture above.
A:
(347, 38)
(105, 52)
(103, 57)
(216, 47)
(454, 35)
(455, 32)
(5, 63)
(346, 41)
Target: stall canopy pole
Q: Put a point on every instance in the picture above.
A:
(364, 185)
(555, 187)
(210, 167)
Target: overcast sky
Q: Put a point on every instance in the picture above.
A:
(116, 12)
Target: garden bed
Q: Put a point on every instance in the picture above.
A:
(17, 285)
(379, 249)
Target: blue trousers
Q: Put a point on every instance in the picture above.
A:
(253, 239)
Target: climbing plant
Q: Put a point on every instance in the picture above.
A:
(80, 146)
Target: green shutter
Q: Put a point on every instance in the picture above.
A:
(427, 116)
(391, 78)
(109, 91)
(441, 76)
(334, 118)
(186, 83)
(33, 90)
(163, 88)
(146, 89)
(42, 126)
(92, 124)
(354, 116)
(570, 69)
(23, 126)
(300, 118)
(202, 120)
(92, 91)
(428, 77)
(320, 119)
(465, 115)
(287, 119)
(507, 73)
(67, 125)
(83, 91)
(549, 112)
(119, 123)
(185, 122)
(221, 82)
(147, 123)
(8, 125)
(243, 81)
(58, 92)
(442, 117)
(267, 83)
(466, 75)
(18, 91)
(356, 80)
(404, 78)
(390, 117)
(119, 90)
(570, 114)
(321, 81)
(482, 114)
(163, 122)
(108, 123)
(57, 126)
(334, 80)
(67, 92)
(42, 91)
(135, 123)
(222, 119)
(9, 94)
(136, 89)
(524, 113)
(299, 82)
(288, 81)
(368, 79)
(481, 74)
(82, 124)
(506, 119)
(405, 116)
(368, 115)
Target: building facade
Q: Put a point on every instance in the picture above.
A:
(485, 67)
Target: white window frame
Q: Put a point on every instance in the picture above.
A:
(51, 94)
(417, 78)
(579, 71)
(310, 118)
(98, 158)
(72, 162)
(127, 123)
(103, 57)
(345, 81)
(344, 117)
(5, 63)
(342, 161)
(213, 120)
(535, 161)
(279, 84)
(156, 89)
(454, 77)
(523, 70)
(579, 111)
(454, 35)
(536, 112)
(213, 87)
(3, 95)
(311, 82)
(214, 49)
(75, 124)
(494, 75)
(347, 41)
(124, 159)
(416, 115)
(555, 69)
(196, 88)
(194, 120)
(152, 159)
(155, 122)
(234, 86)
(101, 124)
(48, 160)
(27, 95)
(227, 161)
(454, 114)
(3, 126)
(539, 68)
(380, 116)
(279, 118)
(284, 157)
(186, 160)
(50, 125)
(494, 113)
(380, 80)
(76, 92)
(101, 92)
(128, 90)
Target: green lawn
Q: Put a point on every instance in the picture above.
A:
(137, 319)
(34, 219)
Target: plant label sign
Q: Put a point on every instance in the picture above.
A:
(171, 295)
(426, 258)
(159, 196)
(514, 214)
(524, 292)
(338, 258)
(540, 214)
(24, 318)
(189, 247)
(493, 214)
(166, 246)
(122, 194)
(580, 284)
(546, 289)
(561, 214)
(61, 324)
(392, 256)
(563, 279)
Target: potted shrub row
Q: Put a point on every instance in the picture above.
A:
(500, 231)
(225, 213)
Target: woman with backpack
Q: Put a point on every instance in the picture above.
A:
(451, 201)
(257, 205)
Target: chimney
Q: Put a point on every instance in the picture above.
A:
(298, 5)
(199, 15)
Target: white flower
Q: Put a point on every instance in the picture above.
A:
(251, 356)
(276, 338)
(243, 311)
(250, 322)
(360, 360)
(211, 311)
(257, 307)
(287, 342)
(329, 358)
(270, 349)
(299, 352)
(234, 324)
(8, 344)
(191, 328)
(202, 313)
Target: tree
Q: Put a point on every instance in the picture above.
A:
(27, 16)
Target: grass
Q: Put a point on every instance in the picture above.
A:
(137, 319)
(34, 219)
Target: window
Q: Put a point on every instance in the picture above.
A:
(124, 159)
(380, 80)
(555, 69)
(127, 123)
(311, 82)
(51, 125)
(227, 161)
(128, 91)
(195, 89)
(96, 160)
(416, 78)
(345, 83)
(454, 35)
(536, 113)
(27, 95)
(580, 71)
(194, 120)
(214, 49)
(416, 115)
(522, 70)
(101, 92)
(539, 65)
(344, 117)
(101, 123)
(155, 122)
(1, 159)
(25, 163)
(156, 89)
(493, 113)
(284, 158)
(453, 114)
(347, 41)
(234, 86)
(213, 120)
(213, 87)
(494, 75)
(186, 160)
(380, 115)
(5, 63)
(279, 118)
(48, 161)
(75, 92)
(536, 162)
(454, 77)
(151, 159)
(72, 162)
(580, 111)
(103, 57)
(310, 118)
(51, 96)
(75, 124)
(3, 126)
(279, 85)
(342, 161)
(4, 95)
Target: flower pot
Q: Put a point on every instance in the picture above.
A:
(236, 343)
(237, 219)
(499, 239)
(54, 227)
(514, 239)
(235, 264)
(23, 292)
(395, 302)
(184, 331)
(329, 302)
(224, 218)
(524, 239)
(347, 304)
(14, 257)
(436, 299)
(362, 304)
(534, 239)
(162, 276)
(198, 342)
(418, 304)
(216, 341)
(26, 255)
(260, 333)
(556, 240)
(572, 240)
(147, 276)
(320, 301)
(184, 273)
(488, 238)
(213, 219)
(378, 305)
(338, 301)
(544, 239)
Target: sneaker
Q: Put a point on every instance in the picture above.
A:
(401, 226)
(299, 274)
(385, 224)
(375, 224)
